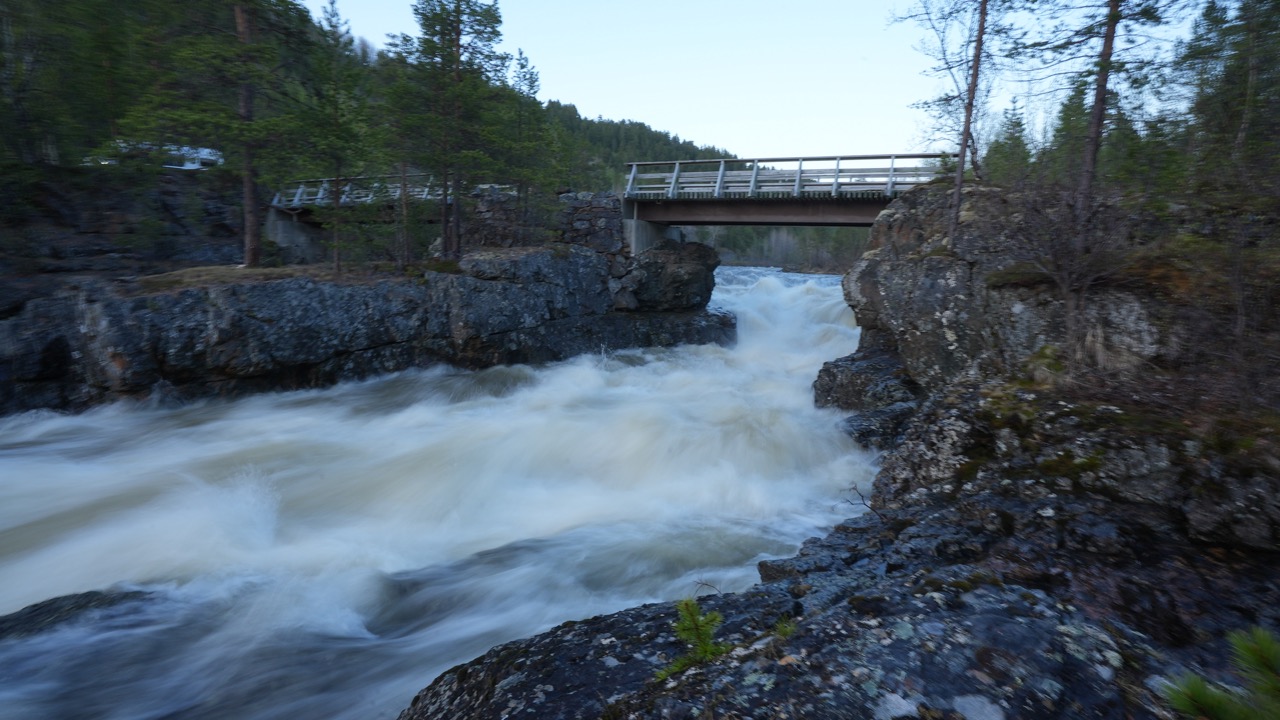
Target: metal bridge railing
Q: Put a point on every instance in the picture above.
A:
(835, 176)
(355, 191)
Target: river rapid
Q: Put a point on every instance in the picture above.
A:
(327, 553)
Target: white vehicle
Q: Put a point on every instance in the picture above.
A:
(174, 157)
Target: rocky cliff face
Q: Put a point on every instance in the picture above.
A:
(112, 222)
(966, 305)
(1027, 552)
(936, 313)
(103, 341)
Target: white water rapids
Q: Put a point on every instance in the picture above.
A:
(327, 553)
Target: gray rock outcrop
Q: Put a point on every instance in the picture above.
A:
(515, 305)
(964, 305)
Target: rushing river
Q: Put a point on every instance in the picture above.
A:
(327, 553)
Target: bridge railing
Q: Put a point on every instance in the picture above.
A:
(355, 191)
(836, 176)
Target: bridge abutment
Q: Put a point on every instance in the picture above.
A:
(640, 235)
(299, 242)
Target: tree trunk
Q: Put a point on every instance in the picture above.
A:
(456, 224)
(338, 189)
(970, 96)
(405, 253)
(252, 221)
(1250, 88)
(1097, 115)
(446, 243)
(252, 225)
(1238, 277)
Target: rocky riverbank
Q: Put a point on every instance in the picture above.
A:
(1032, 547)
(102, 339)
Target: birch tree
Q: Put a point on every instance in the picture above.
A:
(959, 42)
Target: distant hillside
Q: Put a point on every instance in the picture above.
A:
(595, 152)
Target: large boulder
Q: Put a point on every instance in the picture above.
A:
(872, 378)
(670, 276)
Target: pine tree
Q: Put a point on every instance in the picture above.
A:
(527, 154)
(67, 78)
(340, 121)
(457, 51)
(1090, 33)
(401, 118)
(226, 85)
(1257, 660)
(1060, 161)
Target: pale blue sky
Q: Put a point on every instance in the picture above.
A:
(757, 78)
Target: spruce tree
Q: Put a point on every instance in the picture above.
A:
(1008, 158)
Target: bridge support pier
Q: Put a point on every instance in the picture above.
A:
(641, 235)
(299, 242)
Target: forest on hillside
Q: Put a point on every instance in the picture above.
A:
(276, 95)
(1179, 124)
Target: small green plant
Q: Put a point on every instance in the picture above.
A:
(785, 627)
(1257, 660)
(698, 630)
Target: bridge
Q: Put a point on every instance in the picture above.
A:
(835, 190)
(300, 239)
(320, 192)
